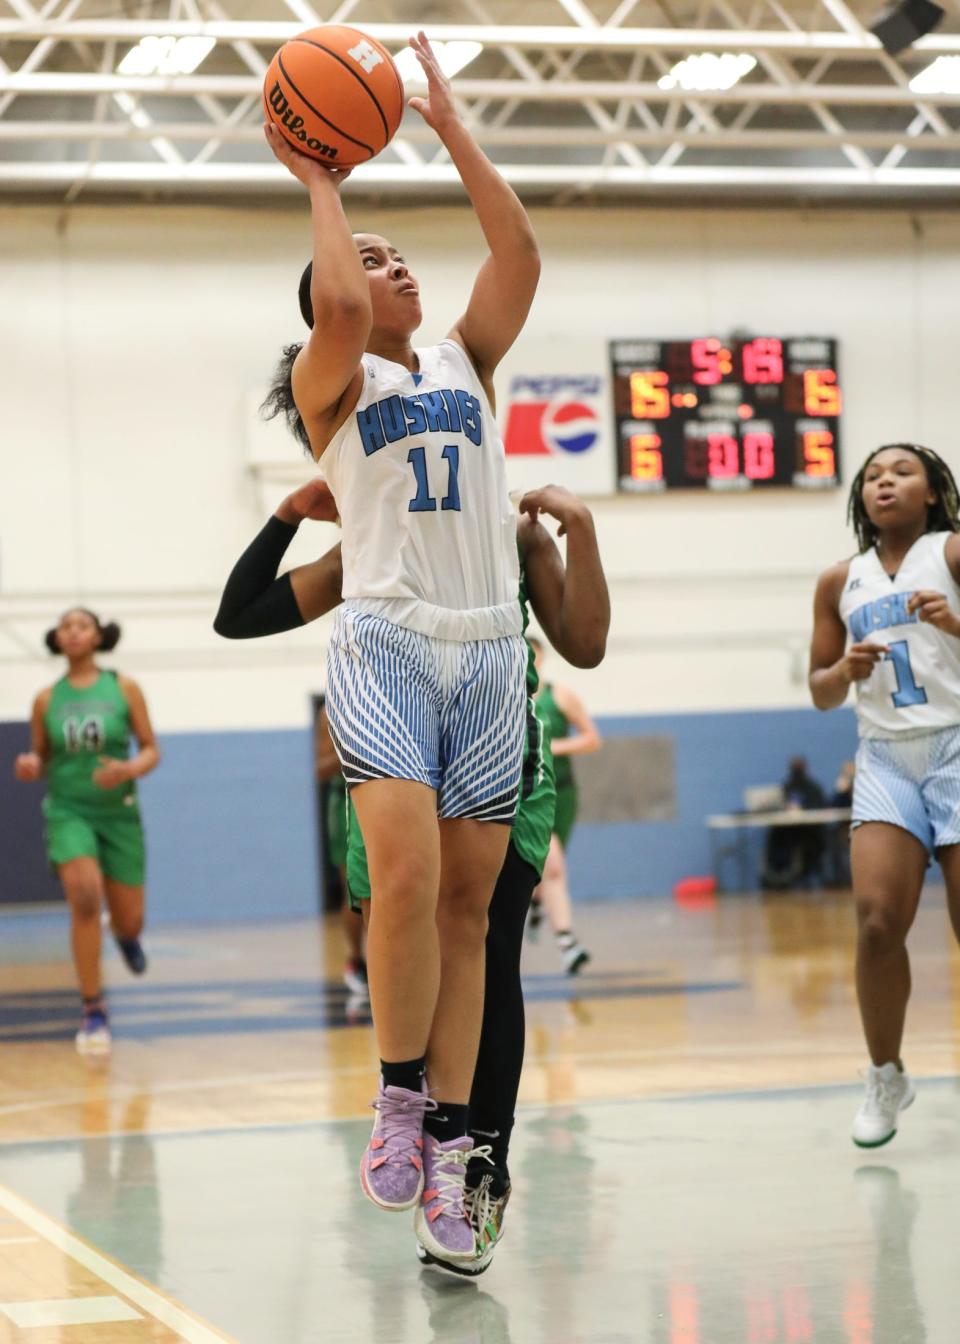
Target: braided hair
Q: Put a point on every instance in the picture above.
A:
(942, 516)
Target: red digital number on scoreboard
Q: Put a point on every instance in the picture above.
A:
(759, 459)
(711, 361)
(762, 361)
(650, 395)
(646, 459)
(723, 455)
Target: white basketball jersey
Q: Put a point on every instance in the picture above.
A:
(916, 687)
(418, 471)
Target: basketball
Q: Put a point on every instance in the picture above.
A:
(335, 95)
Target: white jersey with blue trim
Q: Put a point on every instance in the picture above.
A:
(916, 687)
(418, 472)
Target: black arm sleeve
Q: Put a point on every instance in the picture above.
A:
(255, 602)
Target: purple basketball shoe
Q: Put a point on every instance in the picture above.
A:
(391, 1169)
(441, 1222)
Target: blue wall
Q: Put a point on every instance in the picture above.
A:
(231, 827)
(716, 757)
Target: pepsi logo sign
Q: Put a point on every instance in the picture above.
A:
(553, 415)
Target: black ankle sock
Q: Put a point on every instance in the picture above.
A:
(448, 1121)
(409, 1073)
(488, 1135)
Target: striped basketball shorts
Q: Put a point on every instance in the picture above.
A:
(451, 715)
(912, 782)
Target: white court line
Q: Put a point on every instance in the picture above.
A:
(69, 1311)
(161, 1308)
(18, 1241)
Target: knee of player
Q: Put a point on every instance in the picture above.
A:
(128, 925)
(880, 930)
(85, 902)
(408, 885)
(462, 912)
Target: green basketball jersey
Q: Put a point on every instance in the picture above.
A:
(558, 725)
(533, 823)
(82, 726)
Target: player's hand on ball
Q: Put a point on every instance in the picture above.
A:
(860, 660)
(303, 168)
(314, 500)
(558, 502)
(28, 767)
(438, 109)
(934, 609)
(111, 774)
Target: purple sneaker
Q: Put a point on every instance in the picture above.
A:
(441, 1223)
(391, 1169)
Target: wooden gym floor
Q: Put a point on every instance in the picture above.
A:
(682, 1167)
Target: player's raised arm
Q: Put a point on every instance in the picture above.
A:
(571, 602)
(507, 281)
(329, 363)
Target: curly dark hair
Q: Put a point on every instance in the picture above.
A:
(942, 516)
(109, 633)
(279, 400)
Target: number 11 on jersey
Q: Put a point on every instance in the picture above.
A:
(423, 501)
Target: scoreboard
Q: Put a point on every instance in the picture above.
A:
(726, 415)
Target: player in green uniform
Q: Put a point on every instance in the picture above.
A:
(563, 710)
(572, 605)
(335, 827)
(80, 733)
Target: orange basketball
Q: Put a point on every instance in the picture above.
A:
(334, 94)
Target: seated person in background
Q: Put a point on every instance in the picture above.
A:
(794, 854)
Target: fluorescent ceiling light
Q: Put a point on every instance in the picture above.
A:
(708, 72)
(942, 76)
(166, 55)
(451, 56)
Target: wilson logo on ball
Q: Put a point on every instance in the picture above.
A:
(295, 124)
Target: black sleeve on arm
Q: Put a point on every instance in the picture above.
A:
(255, 602)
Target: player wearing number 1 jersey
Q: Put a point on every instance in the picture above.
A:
(425, 670)
(889, 621)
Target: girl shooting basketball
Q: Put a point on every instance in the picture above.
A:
(573, 607)
(425, 678)
(80, 734)
(888, 622)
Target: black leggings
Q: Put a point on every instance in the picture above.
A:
(496, 1081)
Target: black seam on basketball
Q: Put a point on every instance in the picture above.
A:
(306, 102)
(362, 82)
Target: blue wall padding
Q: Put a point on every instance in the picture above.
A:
(717, 757)
(231, 827)
(231, 822)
